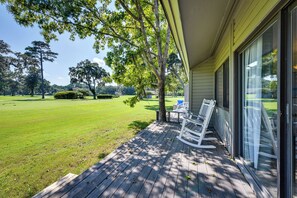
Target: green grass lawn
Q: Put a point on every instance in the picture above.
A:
(41, 141)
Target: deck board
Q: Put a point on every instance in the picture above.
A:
(156, 164)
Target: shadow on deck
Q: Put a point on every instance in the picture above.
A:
(156, 164)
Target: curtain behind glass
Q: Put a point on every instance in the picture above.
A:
(259, 99)
(252, 110)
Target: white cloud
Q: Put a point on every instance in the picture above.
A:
(101, 63)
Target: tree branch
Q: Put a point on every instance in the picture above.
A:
(166, 45)
(90, 29)
(129, 11)
(149, 3)
(158, 33)
(147, 19)
(155, 69)
(146, 43)
(97, 14)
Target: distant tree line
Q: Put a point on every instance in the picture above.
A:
(22, 73)
(107, 89)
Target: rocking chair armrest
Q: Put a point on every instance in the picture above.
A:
(194, 116)
(194, 121)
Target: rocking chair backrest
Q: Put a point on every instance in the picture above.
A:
(204, 108)
(207, 112)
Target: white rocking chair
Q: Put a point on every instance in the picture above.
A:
(193, 131)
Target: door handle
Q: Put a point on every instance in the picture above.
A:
(288, 113)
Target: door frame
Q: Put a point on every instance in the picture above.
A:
(287, 145)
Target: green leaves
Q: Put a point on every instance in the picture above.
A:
(90, 74)
(40, 49)
(137, 26)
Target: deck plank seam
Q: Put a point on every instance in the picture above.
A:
(132, 156)
(156, 159)
(134, 173)
(160, 180)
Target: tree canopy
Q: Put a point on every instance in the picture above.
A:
(40, 51)
(176, 68)
(90, 74)
(13, 68)
(137, 25)
(32, 79)
(129, 69)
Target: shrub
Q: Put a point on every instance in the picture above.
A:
(104, 96)
(84, 92)
(69, 95)
(116, 96)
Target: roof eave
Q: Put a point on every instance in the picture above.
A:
(171, 9)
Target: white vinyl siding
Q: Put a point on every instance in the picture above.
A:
(202, 84)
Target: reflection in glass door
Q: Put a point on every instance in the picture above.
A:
(259, 63)
(294, 84)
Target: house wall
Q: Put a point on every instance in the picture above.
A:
(246, 17)
(202, 83)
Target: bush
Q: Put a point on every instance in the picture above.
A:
(104, 96)
(84, 92)
(116, 96)
(69, 95)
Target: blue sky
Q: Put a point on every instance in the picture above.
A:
(70, 52)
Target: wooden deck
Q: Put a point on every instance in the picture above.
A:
(156, 164)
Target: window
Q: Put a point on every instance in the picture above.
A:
(226, 84)
(222, 85)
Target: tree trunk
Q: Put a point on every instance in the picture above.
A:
(162, 109)
(32, 92)
(92, 90)
(42, 83)
(94, 94)
(161, 83)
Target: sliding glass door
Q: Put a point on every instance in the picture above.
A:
(293, 65)
(259, 99)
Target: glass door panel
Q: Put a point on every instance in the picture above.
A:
(294, 85)
(259, 108)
